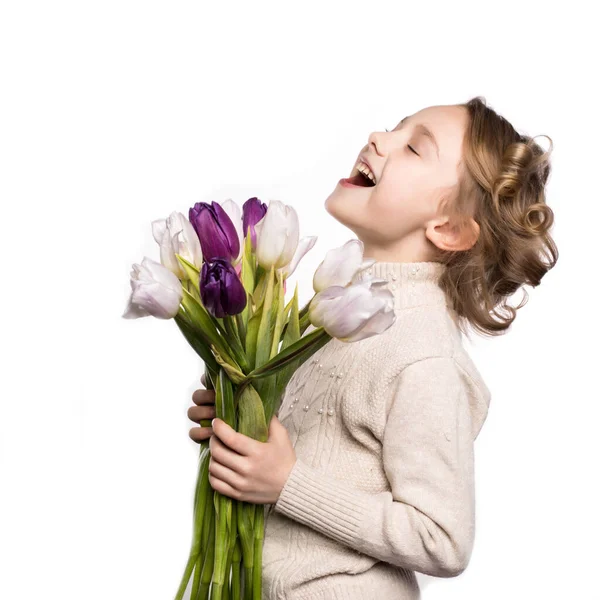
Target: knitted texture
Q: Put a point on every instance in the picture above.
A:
(384, 433)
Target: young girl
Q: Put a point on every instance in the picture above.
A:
(368, 473)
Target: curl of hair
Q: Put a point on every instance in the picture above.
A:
(503, 176)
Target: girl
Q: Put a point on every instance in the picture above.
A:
(368, 473)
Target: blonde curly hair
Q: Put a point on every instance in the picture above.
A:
(502, 182)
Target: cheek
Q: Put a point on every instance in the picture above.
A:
(398, 205)
(404, 190)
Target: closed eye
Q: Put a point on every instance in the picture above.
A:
(411, 148)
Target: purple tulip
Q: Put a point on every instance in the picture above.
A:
(253, 211)
(217, 234)
(221, 290)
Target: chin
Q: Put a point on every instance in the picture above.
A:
(342, 211)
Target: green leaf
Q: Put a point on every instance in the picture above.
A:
(226, 409)
(278, 310)
(196, 343)
(192, 272)
(251, 414)
(266, 388)
(191, 288)
(252, 337)
(291, 335)
(234, 373)
(292, 331)
(304, 322)
(303, 348)
(233, 338)
(205, 327)
(263, 345)
(262, 277)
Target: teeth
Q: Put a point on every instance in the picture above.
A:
(364, 169)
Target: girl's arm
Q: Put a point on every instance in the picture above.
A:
(427, 522)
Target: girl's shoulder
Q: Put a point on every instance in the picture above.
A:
(416, 334)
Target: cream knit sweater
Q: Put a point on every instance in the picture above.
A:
(383, 431)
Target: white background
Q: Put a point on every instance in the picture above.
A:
(116, 113)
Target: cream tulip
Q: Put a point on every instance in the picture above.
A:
(176, 235)
(277, 235)
(156, 291)
(340, 265)
(353, 312)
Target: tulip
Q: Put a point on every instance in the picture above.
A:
(304, 245)
(175, 235)
(254, 210)
(156, 291)
(221, 290)
(234, 212)
(278, 233)
(354, 312)
(218, 235)
(340, 265)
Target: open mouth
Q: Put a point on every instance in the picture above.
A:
(360, 179)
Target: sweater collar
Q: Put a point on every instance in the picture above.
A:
(411, 283)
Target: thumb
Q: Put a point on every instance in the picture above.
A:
(275, 426)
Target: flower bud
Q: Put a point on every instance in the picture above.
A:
(156, 291)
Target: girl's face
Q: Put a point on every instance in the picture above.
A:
(413, 172)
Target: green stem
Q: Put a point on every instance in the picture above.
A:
(232, 538)
(236, 576)
(200, 499)
(207, 567)
(221, 546)
(245, 516)
(258, 547)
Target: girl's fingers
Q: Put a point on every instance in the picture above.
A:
(203, 397)
(199, 434)
(204, 401)
(197, 413)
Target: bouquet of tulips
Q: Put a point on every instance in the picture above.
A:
(222, 278)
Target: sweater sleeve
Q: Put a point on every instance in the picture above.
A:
(427, 522)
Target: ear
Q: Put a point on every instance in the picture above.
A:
(452, 237)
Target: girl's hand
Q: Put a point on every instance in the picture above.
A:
(244, 468)
(204, 408)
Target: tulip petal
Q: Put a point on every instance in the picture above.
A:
(235, 214)
(229, 230)
(278, 234)
(339, 265)
(253, 211)
(304, 245)
(221, 290)
(158, 229)
(156, 291)
(353, 312)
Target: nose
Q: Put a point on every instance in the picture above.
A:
(375, 142)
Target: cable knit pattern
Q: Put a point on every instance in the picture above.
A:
(383, 430)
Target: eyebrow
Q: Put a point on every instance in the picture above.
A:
(426, 132)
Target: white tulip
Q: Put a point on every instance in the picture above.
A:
(234, 212)
(277, 235)
(176, 235)
(354, 312)
(156, 291)
(304, 245)
(340, 265)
